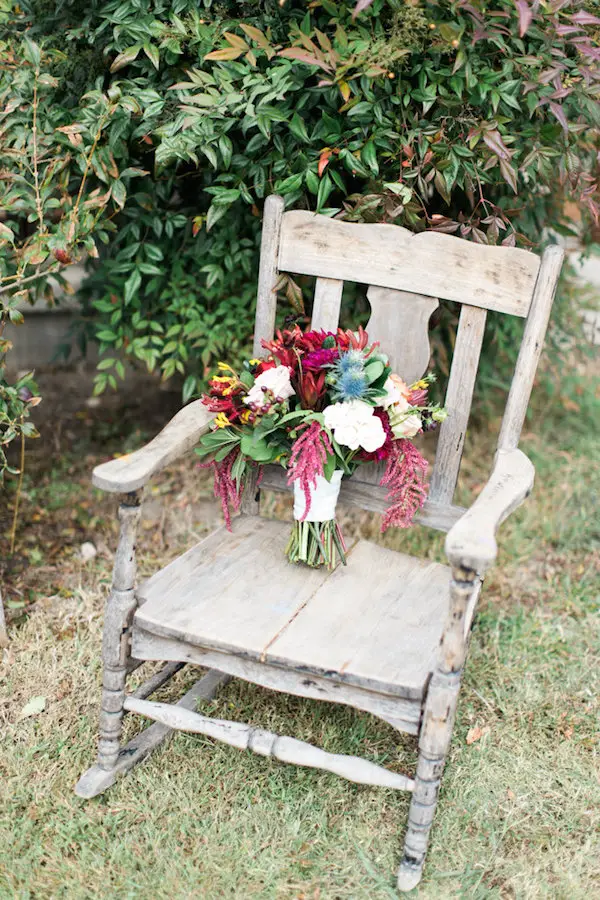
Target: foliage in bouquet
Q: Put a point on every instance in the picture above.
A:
(319, 402)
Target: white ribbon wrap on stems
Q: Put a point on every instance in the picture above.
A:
(323, 499)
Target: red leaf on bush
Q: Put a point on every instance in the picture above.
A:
(361, 4)
(585, 18)
(494, 141)
(509, 174)
(557, 111)
(562, 30)
(525, 16)
(324, 160)
(303, 56)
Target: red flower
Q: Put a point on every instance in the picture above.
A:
(264, 365)
(347, 340)
(317, 359)
(310, 387)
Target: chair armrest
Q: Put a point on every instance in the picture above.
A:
(132, 471)
(471, 542)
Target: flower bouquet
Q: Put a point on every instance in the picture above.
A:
(320, 405)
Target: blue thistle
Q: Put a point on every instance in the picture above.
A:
(351, 385)
(352, 359)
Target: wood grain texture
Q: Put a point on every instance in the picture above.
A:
(355, 492)
(266, 298)
(266, 743)
(131, 471)
(459, 395)
(96, 780)
(399, 321)
(375, 624)
(233, 591)
(471, 543)
(327, 304)
(531, 347)
(401, 712)
(438, 265)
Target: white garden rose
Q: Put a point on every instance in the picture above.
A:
(355, 425)
(276, 380)
(403, 425)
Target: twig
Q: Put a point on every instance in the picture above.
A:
(12, 287)
(13, 531)
(88, 163)
(36, 178)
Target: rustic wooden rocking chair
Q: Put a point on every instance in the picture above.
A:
(387, 634)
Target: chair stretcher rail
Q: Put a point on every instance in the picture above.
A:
(266, 743)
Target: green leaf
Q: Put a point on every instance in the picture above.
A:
(373, 370)
(153, 252)
(298, 128)
(124, 58)
(152, 53)
(6, 233)
(226, 197)
(211, 155)
(325, 188)
(226, 150)
(257, 448)
(132, 286)
(214, 214)
(312, 181)
(330, 466)
(119, 193)
(368, 154)
(289, 185)
(32, 52)
(16, 316)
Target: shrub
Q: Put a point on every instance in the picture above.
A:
(474, 118)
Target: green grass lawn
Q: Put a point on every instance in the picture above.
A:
(519, 811)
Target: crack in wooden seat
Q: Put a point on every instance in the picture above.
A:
(375, 624)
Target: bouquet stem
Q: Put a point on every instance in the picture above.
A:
(316, 544)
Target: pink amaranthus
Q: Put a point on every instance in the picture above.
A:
(309, 453)
(405, 479)
(225, 487)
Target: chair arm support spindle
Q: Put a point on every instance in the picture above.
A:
(130, 472)
(471, 542)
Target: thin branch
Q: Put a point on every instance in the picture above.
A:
(88, 163)
(36, 177)
(12, 287)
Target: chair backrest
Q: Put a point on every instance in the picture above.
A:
(407, 274)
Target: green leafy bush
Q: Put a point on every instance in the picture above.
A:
(474, 118)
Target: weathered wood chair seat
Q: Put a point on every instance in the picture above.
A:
(389, 633)
(375, 625)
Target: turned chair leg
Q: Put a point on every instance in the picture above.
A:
(422, 807)
(118, 614)
(436, 729)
